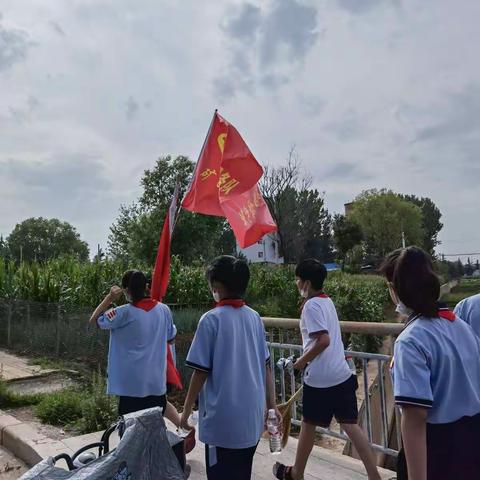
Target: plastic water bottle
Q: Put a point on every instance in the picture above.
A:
(192, 422)
(351, 364)
(193, 418)
(274, 431)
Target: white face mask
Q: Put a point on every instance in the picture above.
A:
(128, 298)
(304, 293)
(402, 309)
(216, 296)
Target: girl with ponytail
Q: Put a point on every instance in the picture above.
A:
(436, 375)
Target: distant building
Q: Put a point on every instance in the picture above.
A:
(348, 208)
(266, 250)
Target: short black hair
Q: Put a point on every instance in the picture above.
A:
(417, 285)
(233, 273)
(313, 270)
(136, 283)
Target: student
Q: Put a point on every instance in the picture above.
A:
(328, 384)
(139, 333)
(231, 373)
(469, 311)
(436, 375)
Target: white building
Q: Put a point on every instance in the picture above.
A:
(265, 250)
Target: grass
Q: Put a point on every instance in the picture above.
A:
(52, 364)
(9, 399)
(466, 288)
(61, 408)
(84, 410)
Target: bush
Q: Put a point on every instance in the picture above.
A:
(99, 410)
(86, 411)
(61, 408)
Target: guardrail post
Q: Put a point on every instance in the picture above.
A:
(58, 329)
(9, 325)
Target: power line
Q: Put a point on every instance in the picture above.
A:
(459, 254)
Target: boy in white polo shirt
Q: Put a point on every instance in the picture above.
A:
(232, 375)
(328, 384)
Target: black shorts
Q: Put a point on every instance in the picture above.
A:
(135, 404)
(320, 405)
(452, 451)
(231, 463)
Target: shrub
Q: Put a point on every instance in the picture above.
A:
(99, 410)
(61, 408)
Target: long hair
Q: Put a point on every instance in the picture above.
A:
(410, 270)
(135, 283)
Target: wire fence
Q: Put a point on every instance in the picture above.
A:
(56, 331)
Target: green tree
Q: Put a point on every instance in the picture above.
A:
(382, 216)
(346, 235)
(41, 239)
(468, 268)
(431, 224)
(135, 234)
(460, 268)
(303, 221)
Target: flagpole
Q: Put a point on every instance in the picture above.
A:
(196, 165)
(201, 152)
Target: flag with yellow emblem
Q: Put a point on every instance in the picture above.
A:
(225, 181)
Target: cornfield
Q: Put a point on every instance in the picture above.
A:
(272, 290)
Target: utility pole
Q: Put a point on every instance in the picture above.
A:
(403, 237)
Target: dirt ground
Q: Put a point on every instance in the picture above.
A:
(27, 415)
(11, 468)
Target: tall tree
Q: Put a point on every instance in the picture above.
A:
(431, 224)
(346, 235)
(42, 239)
(134, 235)
(382, 216)
(304, 224)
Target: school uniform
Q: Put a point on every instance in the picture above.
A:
(436, 366)
(329, 386)
(230, 346)
(469, 311)
(139, 333)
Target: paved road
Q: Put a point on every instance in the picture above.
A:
(10, 467)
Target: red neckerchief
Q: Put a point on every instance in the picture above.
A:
(443, 312)
(232, 302)
(305, 300)
(446, 314)
(146, 304)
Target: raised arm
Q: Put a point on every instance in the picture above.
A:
(114, 293)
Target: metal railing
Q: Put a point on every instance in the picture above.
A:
(379, 437)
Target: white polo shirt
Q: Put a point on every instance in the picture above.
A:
(330, 367)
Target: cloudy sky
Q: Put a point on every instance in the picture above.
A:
(373, 93)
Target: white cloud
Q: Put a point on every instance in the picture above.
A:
(382, 94)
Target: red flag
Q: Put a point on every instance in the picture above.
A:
(249, 217)
(225, 184)
(161, 272)
(225, 167)
(161, 276)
